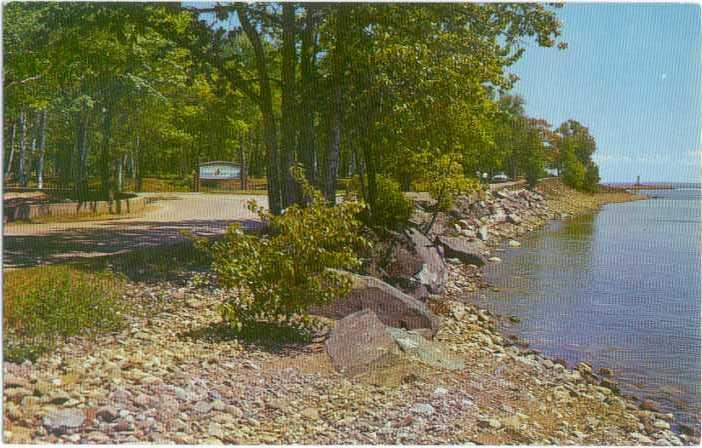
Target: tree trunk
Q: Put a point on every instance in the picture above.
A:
(31, 166)
(306, 142)
(288, 117)
(80, 175)
(136, 165)
(270, 133)
(242, 163)
(106, 189)
(334, 142)
(8, 169)
(42, 150)
(22, 175)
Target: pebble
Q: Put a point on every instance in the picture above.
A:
(640, 438)
(423, 409)
(310, 413)
(661, 424)
(440, 392)
(203, 407)
(107, 413)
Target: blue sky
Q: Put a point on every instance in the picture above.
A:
(631, 73)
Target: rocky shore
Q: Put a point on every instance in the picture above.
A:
(436, 369)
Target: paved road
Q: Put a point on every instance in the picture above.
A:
(202, 214)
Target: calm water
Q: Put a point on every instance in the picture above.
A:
(620, 289)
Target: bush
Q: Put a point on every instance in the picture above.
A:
(281, 275)
(446, 181)
(391, 210)
(44, 304)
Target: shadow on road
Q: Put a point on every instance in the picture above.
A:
(106, 239)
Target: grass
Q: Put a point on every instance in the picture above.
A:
(45, 304)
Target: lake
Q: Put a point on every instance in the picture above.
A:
(619, 289)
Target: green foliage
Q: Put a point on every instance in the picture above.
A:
(44, 304)
(280, 275)
(391, 210)
(573, 172)
(444, 180)
(533, 157)
(592, 178)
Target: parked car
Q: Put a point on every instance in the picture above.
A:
(500, 177)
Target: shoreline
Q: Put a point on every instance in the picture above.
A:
(569, 205)
(175, 375)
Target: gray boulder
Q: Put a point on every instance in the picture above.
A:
(360, 341)
(393, 307)
(463, 249)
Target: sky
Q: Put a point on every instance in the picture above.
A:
(631, 74)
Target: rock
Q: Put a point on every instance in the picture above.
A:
(489, 423)
(463, 249)
(514, 319)
(59, 397)
(440, 392)
(234, 411)
(649, 405)
(661, 424)
(609, 384)
(203, 407)
(214, 430)
(393, 307)
(423, 409)
(107, 413)
(433, 273)
(310, 413)
(605, 371)
(514, 243)
(143, 400)
(432, 353)
(218, 405)
(686, 429)
(123, 426)
(60, 421)
(514, 219)
(10, 381)
(584, 367)
(483, 233)
(495, 259)
(512, 422)
(358, 341)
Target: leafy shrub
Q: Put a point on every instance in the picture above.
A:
(391, 210)
(281, 275)
(44, 304)
(446, 180)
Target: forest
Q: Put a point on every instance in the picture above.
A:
(100, 96)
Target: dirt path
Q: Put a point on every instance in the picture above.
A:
(201, 214)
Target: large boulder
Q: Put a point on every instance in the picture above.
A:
(465, 250)
(433, 273)
(359, 342)
(393, 307)
(417, 266)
